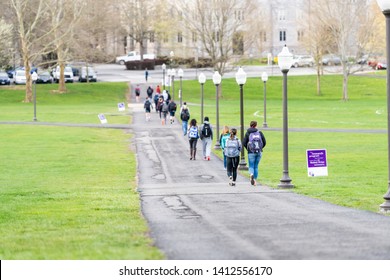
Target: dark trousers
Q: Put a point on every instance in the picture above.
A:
(232, 165)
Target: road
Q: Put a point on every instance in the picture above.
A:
(194, 215)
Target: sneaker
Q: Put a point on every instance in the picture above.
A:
(205, 158)
(230, 181)
(233, 184)
(208, 158)
(253, 182)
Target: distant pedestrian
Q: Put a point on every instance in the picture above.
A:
(254, 141)
(206, 135)
(193, 135)
(147, 107)
(158, 89)
(146, 74)
(159, 106)
(222, 142)
(172, 107)
(149, 92)
(165, 95)
(156, 98)
(232, 153)
(184, 116)
(164, 111)
(137, 93)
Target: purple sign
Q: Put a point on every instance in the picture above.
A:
(317, 163)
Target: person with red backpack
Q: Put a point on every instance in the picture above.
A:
(254, 142)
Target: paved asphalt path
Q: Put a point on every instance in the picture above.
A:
(193, 213)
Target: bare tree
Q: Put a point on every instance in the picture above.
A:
(349, 24)
(5, 42)
(219, 25)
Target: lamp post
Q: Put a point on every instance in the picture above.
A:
(241, 80)
(180, 74)
(264, 78)
(201, 80)
(164, 67)
(385, 7)
(217, 81)
(171, 54)
(173, 73)
(169, 79)
(34, 77)
(285, 59)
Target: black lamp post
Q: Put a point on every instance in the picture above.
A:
(173, 73)
(285, 59)
(217, 81)
(164, 67)
(201, 80)
(34, 77)
(264, 78)
(385, 7)
(241, 80)
(180, 74)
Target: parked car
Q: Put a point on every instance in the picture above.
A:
(20, 77)
(303, 60)
(331, 59)
(4, 79)
(377, 63)
(68, 74)
(11, 72)
(44, 78)
(87, 71)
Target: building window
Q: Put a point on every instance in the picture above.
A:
(263, 36)
(282, 35)
(238, 44)
(300, 35)
(180, 37)
(282, 15)
(151, 37)
(239, 14)
(194, 37)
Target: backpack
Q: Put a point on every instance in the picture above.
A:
(206, 130)
(185, 115)
(156, 97)
(255, 144)
(174, 106)
(193, 133)
(165, 107)
(232, 148)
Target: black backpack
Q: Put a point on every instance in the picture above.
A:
(206, 130)
(147, 105)
(185, 115)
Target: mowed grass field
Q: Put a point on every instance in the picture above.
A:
(70, 192)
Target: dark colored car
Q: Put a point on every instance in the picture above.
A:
(4, 79)
(45, 78)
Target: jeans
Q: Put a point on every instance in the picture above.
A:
(224, 160)
(253, 161)
(184, 125)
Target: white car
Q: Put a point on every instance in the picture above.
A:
(68, 74)
(20, 77)
(303, 60)
(87, 71)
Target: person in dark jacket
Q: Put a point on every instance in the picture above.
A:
(254, 156)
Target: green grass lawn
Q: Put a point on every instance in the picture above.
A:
(69, 193)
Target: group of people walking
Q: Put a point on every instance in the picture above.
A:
(253, 141)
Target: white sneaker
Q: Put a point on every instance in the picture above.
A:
(230, 181)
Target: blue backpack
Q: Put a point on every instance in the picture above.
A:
(193, 133)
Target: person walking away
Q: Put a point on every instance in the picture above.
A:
(137, 93)
(254, 142)
(165, 95)
(164, 110)
(158, 89)
(172, 107)
(146, 74)
(184, 116)
(147, 107)
(232, 152)
(206, 135)
(149, 92)
(155, 99)
(193, 135)
(222, 142)
(159, 106)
